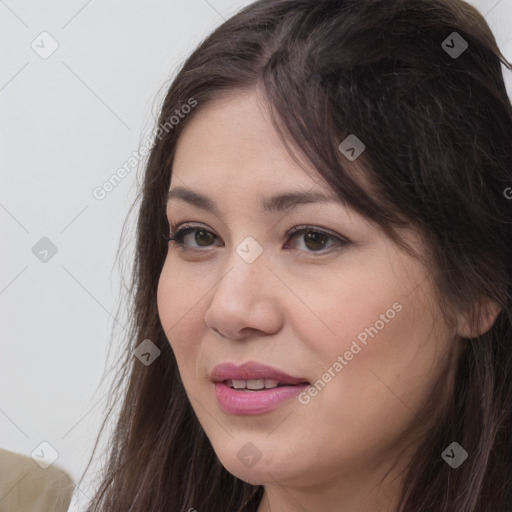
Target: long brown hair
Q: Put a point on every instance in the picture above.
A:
(438, 133)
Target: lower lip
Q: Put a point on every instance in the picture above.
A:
(254, 402)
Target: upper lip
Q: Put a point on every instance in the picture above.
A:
(252, 370)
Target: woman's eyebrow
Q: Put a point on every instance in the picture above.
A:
(276, 203)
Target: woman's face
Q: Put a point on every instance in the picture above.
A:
(357, 320)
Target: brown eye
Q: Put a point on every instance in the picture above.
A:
(202, 237)
(315, 241)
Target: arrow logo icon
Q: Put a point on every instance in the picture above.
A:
(454, 45)
(352, 147)
(249, 249)
(147, 352)
(249, 455)
(454, 455)
(44, 250)
(44, 45)
(44, 454)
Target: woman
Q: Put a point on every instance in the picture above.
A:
(323, 270)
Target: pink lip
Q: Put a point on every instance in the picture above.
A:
(251, 370)
(254, 402)
(239, 402)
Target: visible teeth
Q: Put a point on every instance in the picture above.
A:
(253, 384)
(238, 384)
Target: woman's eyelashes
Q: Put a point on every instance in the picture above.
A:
(311, 239)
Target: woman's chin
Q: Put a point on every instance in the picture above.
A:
(249, 464)
(258, 475)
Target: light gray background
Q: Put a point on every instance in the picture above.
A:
(67, 123)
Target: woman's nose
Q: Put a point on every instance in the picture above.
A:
(247, 298)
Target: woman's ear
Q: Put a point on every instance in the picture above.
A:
(480, 319)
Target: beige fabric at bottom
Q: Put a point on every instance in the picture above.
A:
(26, 487)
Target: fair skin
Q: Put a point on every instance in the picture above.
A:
(297, 310)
